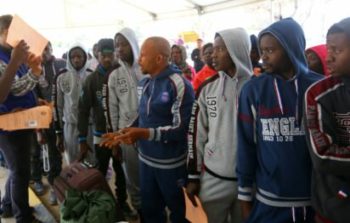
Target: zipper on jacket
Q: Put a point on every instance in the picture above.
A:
(150, 97)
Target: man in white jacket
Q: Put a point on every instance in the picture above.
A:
(212, 136)
(122, 105)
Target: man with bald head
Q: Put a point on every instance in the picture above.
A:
(154, 57)
(166, 100)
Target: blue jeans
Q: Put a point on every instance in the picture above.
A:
(16, 150)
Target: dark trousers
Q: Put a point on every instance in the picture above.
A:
(161, 188)
(103, 155)
(55, 158)
(268, 214)
(16, 150)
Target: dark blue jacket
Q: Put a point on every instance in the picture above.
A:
(165, 108)
(272, 149)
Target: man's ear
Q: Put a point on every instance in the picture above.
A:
(159, 59)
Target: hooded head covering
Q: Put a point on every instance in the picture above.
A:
(130, 36)
(291, 36)
(69, 62)
(321, 52)
(182, 49)
(238, 45)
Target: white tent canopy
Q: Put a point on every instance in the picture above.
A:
(65, 22)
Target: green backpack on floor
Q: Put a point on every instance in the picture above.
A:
(88, 207)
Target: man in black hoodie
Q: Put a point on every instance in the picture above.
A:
(91, 98)
(51, 67)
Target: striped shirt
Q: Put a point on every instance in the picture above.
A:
(21, 85)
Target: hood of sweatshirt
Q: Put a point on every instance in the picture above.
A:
(130, 36)
(291, 36)
(183, 63)
(321, 52)
(69, 62)
(238, 45)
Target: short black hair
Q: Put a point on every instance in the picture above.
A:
(207, 45)
(342, 26)
(5, 22)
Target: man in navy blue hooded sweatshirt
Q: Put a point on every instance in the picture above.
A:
(272, 149)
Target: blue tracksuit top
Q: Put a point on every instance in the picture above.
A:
(165, 108)
(272, 149)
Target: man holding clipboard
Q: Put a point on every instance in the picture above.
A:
(20, 70)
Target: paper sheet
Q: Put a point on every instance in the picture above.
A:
(19, 30)
(194, 214)
(38, 117)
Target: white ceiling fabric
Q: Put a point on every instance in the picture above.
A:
(85, 21)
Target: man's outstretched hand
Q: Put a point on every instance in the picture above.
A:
(127, 136)
(110, 140)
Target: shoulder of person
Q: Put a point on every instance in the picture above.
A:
(89, 70)
(207, 82)
(62, 71)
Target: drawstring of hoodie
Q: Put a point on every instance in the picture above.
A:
(297, 101)
(279, 99)
(223, 87)
(294, 215)
(223, 83)
(150, 98)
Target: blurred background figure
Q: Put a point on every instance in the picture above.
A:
(178, 58)
(208, 69)
(197, 57)
(255, 56)
(316, 59)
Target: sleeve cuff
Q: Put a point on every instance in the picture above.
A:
(245, 193)
(193, 177)
(82, 139)
(151, 134)
(193, 180)
(32, 76)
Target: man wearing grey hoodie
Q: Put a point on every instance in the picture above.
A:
(66, 99)
(212, 140)
(122, 105)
